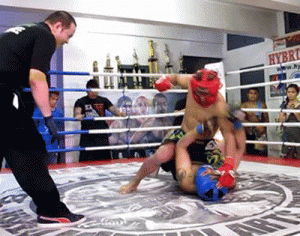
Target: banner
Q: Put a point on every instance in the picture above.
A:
(289, 40)
(280, 73)
(141, 103)
(283, 56)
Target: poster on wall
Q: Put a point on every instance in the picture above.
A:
(279, 88)
(141, 103)
(288, 71)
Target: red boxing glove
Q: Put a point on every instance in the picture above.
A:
(163, 83)
(227, 177)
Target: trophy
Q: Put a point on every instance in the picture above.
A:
(153, 63)
(181, 71)
(168, 66)
(137, 70)
(108, 80)
(121, 81)
(95, 69)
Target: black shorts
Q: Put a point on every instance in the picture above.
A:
(174, 136)
(201, 152)
(206, 152)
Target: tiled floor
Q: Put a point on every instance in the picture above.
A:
(265, 202)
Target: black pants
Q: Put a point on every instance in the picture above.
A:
(94, 140)
(129, 153)
(25, 152)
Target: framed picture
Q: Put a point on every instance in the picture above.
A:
(278, 89)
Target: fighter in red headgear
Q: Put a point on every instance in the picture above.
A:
(205, 85)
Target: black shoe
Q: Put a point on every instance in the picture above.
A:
(69, 219)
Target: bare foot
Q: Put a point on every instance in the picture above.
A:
(128, 188)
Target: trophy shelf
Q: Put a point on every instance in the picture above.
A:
(133, 82)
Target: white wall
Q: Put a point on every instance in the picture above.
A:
(95, 38)
(200, 13)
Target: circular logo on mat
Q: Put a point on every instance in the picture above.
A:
(261, 204)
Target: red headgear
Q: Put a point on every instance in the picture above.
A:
(205, 85)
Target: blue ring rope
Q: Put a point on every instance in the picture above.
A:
(51, 72)
(57, 72)
(62, 90)
(64, 118)
(67, 149)
(69, 132)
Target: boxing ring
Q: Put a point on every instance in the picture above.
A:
(265, 202)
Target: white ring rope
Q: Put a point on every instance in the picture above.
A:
(143, 145)
(125, 74)
(271, 110)
(126, 90)
(175, 90)
(276, 143)
(287, 124)
(122, 130)
(265, 83)
(101, 131)
(261, 67)
(124, 146)
(148, 145)
(261, 84)
(139, 116)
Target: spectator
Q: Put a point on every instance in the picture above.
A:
(51, 143)
(258, 133)
(291, 134)
(92, 106)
